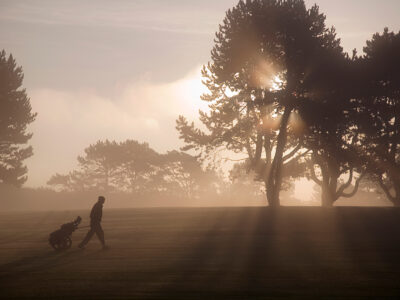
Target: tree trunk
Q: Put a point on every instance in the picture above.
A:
(329, 185)
(275, 174)
(327, 196)
(106, 179)
(266, 182)
(396, 198)
(270, 186)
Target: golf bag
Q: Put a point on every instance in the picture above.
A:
(61, 239)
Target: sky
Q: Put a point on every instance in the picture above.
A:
(126, 69)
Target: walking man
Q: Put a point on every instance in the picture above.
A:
(95, 226)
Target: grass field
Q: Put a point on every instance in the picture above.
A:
(206, 253)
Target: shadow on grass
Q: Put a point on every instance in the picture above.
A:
(227, 261)
(371, 241)
(42, 262)
(291, 252)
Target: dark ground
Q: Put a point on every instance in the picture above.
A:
(207, 253)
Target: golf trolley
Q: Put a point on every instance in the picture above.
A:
(61, 239)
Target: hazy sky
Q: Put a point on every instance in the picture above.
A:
(126, 69)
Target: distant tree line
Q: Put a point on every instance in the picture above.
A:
(283, 92)
(134, 167)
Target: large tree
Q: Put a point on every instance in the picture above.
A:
(264, 52)
(15, 116)
(332, 134)
(379, 111)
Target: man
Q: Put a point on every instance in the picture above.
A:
(95, 226)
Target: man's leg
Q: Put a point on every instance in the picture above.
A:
(100, 235)
(87, 237)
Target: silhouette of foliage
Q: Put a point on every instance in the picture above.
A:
(138, 163)
(264, 53)
(188, 175)
(108, 165)
(100, 164)
(332, 133)
(379, 107)
(15, 115)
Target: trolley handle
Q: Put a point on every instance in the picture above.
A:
(83, 227)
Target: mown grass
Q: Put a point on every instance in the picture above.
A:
(207, 253)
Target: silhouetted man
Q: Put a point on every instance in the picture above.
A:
(95, 226)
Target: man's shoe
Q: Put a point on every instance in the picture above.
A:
(80, 246)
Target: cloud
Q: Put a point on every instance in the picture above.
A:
(68, 121)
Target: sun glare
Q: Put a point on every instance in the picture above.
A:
(190, 90)
(276, 83)
(266, 76)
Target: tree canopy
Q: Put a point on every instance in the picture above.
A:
(15, 116)
(264, 55)
(379, 111)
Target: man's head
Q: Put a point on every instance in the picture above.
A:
(101, 199)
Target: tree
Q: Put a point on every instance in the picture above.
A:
(332, 134)
(379, 107)
(264, 52)
(244, 183)
(183, 176)
(15, 115)
(73, 181)
(100, 164)
(138, 164)
(97, 169)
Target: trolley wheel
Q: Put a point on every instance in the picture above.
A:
(62, 245)
(67, 243)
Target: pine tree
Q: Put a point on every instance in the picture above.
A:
(15, 115)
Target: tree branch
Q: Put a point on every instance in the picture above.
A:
(345, 185)
(230, 159)
(298, 156)
(314, 176)
(393, 148)
(259, 144)
(293, 152)
(249, 150)
(385, 189)
(356, 185)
